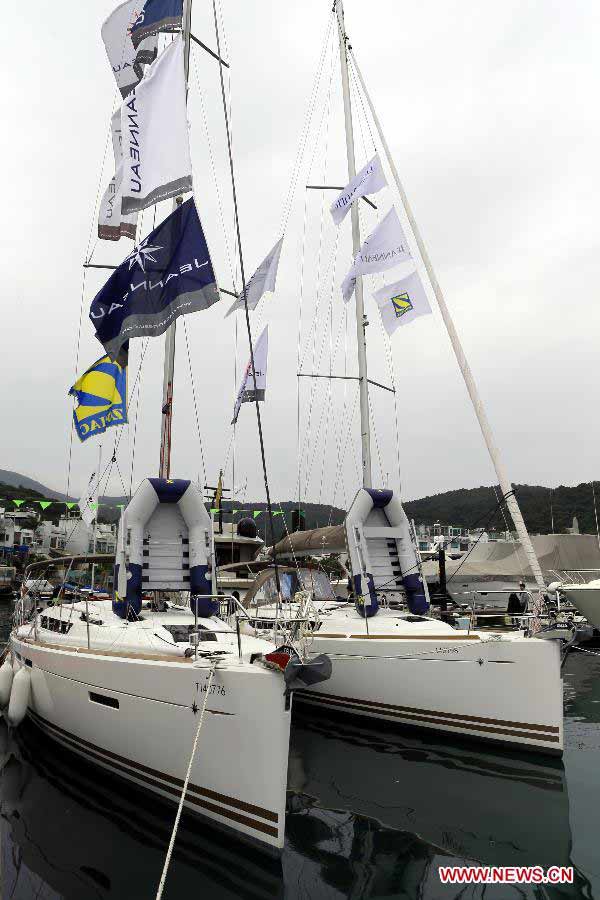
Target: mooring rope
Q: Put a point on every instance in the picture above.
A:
(184, 790)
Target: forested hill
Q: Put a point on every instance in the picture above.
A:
(474, 507)
(467, 508)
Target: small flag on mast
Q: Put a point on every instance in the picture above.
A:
(385, 248)
(101, 394)
(170, 274)
(247, 392)
(262, 281)
(369, 180)
(402, 302)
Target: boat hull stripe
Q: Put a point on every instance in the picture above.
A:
(400, 637)
(548, 733)
(196, 794)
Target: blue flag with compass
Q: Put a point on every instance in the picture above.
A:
(168, 275)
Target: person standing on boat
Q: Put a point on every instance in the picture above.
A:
(517, 602)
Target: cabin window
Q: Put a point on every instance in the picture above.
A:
(104, 700)
(52, 624)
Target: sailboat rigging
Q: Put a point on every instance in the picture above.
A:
(167, 644)
(391, 660)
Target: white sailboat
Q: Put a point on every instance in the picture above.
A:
(406, 667)
(165, 693)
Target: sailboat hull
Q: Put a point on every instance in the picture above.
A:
(499, 691)
(586, 597)
(138, 718)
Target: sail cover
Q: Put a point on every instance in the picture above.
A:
(168, 275)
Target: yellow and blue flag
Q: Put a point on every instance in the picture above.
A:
(101, 393)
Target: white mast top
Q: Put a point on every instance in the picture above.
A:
(361, 321)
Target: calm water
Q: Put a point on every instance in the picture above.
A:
(369, 815)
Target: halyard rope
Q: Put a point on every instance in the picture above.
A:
(184, 791)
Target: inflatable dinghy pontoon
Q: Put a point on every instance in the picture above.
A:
(383, 556)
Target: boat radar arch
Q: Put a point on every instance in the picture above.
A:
(382, 553)
(165, 542)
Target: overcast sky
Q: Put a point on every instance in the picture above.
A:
(490, 110)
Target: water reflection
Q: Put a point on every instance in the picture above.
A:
(370, 815)
(376, 815)
(69, 830)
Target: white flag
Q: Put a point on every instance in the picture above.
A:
(369, 180)
(383, 249)
(402, 302)
(112, 224)
(247, 393)
(156, 149)
(261, 282)
(116, 34)
(88, 507)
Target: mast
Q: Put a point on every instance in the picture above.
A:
(169, 365)
(486, 430)
(361, 319)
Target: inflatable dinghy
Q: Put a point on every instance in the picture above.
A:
(382, 552)
(165, 542)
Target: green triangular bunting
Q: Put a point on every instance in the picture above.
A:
(70, 505)
(256, 513)
(45, 503)
(18, 502)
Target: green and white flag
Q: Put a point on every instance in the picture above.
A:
(402, 302)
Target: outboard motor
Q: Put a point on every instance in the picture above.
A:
(382, 552)
(165, 542)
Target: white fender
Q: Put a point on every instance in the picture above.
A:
(6, 680)
(19, 696)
